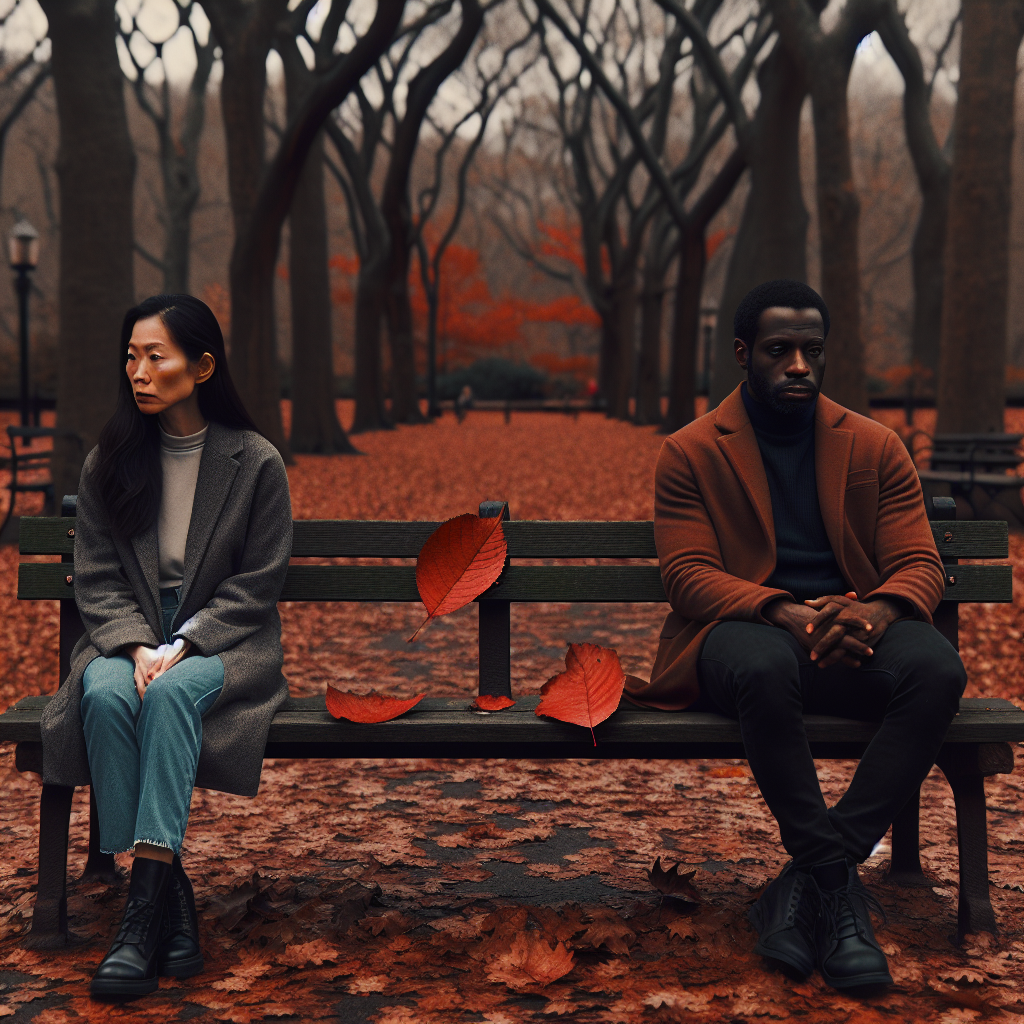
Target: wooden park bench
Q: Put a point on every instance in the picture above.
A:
(963, 462)
(977, 744)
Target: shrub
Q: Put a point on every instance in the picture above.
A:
(493, 378)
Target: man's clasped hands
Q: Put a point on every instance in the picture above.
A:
(151, 663)
(836, 627)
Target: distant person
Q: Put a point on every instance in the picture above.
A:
(593, 393)
(464, 402)
(802, 575)
(182, 541)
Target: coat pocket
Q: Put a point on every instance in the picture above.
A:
(862, 478)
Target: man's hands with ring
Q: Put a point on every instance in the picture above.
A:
(836, 627)
(151, 663)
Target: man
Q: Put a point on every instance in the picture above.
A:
(802, 575)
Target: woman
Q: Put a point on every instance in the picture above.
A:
(181, 547)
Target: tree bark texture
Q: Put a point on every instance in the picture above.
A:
(622, 316)
(652, 302)
(825, 60)
(397, 214)
(933, 175)
(315, 426)
(245, 29)
(682, 390)
(771, 241)
(96, 170)
(972, 362)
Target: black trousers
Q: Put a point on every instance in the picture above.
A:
(761, 676)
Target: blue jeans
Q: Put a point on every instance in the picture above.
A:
(143, 754)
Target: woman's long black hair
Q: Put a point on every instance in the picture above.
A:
(128, 474)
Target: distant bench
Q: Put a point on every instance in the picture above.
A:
(965, 461)
(976, 745)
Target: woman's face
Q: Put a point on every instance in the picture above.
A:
(160, 373)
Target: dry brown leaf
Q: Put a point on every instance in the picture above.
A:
(529, 961)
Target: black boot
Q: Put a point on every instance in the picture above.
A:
(784, 917)
(130, 967)
(179, 955)
(848, 954)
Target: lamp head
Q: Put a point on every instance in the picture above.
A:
(23, 245)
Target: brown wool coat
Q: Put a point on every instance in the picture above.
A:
(716, 538)
(236, 556)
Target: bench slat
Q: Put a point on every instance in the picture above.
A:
(528, 583)
(339, 538)
(442, 720)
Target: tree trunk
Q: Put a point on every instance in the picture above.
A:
(315, 426)
(623, 355)
(839, 224)
(652, 301)
(369, 376)
(405, 407)
(245, 34)
(772, 238)
(96, 169)
(972, 365)
(682, 386)
(933, 173)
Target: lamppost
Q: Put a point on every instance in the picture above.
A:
(23, 245)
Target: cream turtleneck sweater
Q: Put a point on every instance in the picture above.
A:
(179, 460)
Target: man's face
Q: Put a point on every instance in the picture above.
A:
(786, 363)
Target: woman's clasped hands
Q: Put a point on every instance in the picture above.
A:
(151, 663)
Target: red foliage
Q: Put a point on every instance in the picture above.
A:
(459, 561)
(368, 707)
(588, 691)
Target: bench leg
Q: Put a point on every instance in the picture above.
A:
(960, 766)
(100, 867)
(905, 861)
(50, 914)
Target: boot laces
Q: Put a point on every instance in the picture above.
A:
(138, 917)
(802, 908)
(840, 913)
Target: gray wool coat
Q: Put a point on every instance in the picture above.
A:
(236, 556)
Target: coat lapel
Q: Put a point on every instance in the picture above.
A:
(739, 445)
(147, 550)
(217, 470)
(832, 450)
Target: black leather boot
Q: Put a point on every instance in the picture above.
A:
(179, 955)
(130, 967)
(848, 954)
(784, 917)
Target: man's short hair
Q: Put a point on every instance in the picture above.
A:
(785, 293)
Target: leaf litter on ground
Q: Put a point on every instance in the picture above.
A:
(584, 834)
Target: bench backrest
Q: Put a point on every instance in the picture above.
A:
(535, 540)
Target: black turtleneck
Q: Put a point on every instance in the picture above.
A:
(805, 564)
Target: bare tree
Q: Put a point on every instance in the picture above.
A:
(261, 197)
(825, 59)
(96, 169)
(972, 360)
(932, 166)
(178, 152)
(315, 425)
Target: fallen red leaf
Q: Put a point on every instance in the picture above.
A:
(368, 707)
(485, 702)
(588, 691)
(670, 882)
(459, 561)
(530, 960)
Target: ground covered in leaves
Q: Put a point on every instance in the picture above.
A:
(442, 891)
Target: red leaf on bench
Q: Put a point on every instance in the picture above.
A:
(485, 702)
(588, 691)
(368, 707)
(459, 561)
